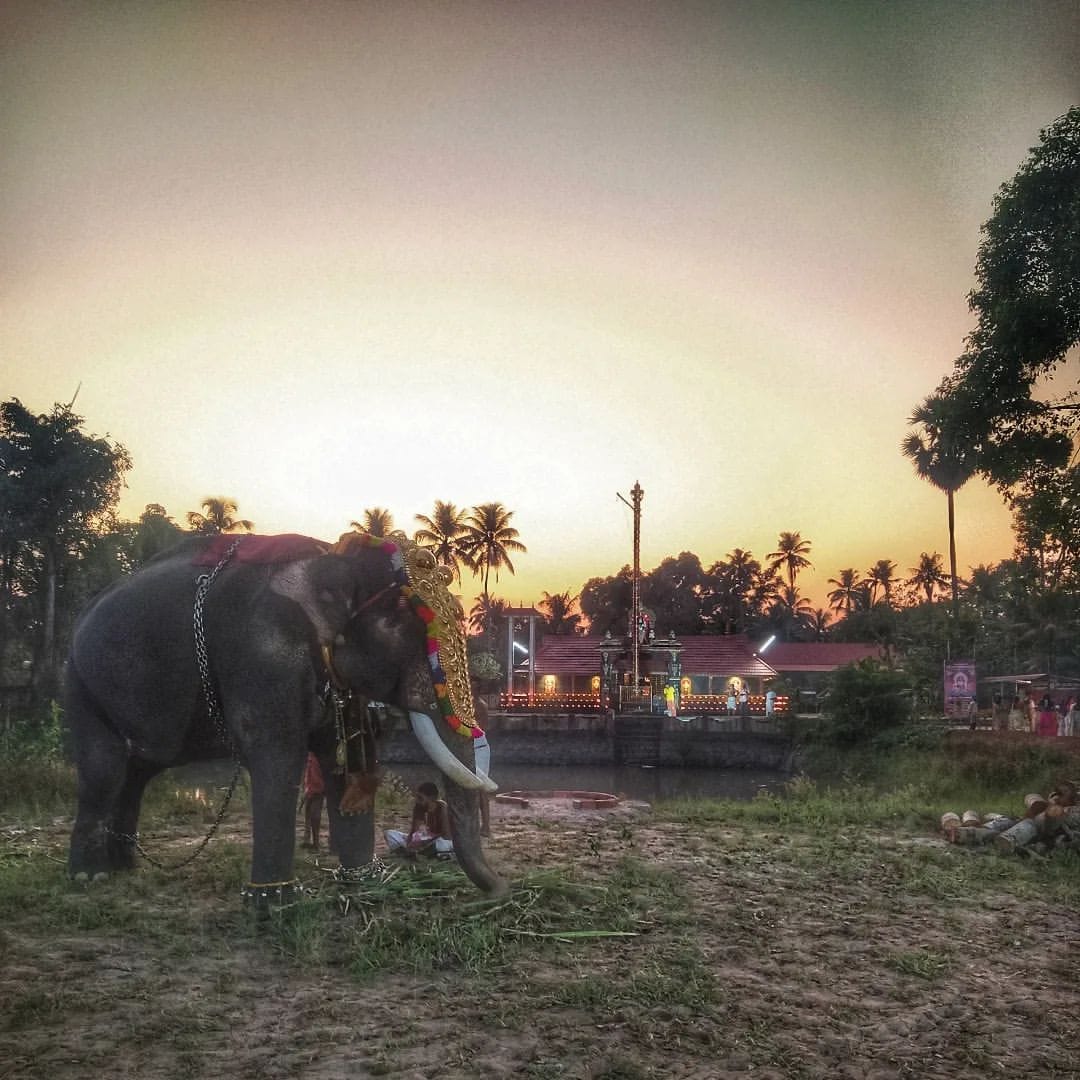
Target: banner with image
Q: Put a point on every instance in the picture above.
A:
(959, 686)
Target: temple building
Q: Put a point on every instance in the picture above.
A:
(593, 672)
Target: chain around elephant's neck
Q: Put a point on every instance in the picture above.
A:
(424, 583)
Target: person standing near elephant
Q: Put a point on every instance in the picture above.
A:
(429, 828)
(314, 798)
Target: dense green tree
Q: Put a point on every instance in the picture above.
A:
(156, 532)
(560, 616)
(673, 593)
(733, 596)
(443, 534)
(58, 491)
(218, 516)
(1027, 306)
(606, 603)
(1046, 519)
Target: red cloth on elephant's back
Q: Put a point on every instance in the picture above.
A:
(286, 547)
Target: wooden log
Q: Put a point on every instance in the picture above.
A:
(972, 836)
(1035, 804)
(971, 817)
(950, 822)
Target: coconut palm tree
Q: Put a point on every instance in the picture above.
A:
(560, 616)
(880, 575)
(940, 457)
(219, 516)
(489, 539)
(929, 576)
(791, 613)
(790, 554)
(486, 613)
(818, 622)
(377, 522)
(850, 592)
(443, 534)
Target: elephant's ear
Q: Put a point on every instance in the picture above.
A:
(324, 587)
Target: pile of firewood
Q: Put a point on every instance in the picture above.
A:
(1049, 822)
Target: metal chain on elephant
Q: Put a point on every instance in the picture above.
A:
(213, 706)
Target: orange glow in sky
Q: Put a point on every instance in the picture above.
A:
(326, 257)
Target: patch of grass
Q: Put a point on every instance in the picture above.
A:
(922, 963)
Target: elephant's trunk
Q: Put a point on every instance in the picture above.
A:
(464, 807)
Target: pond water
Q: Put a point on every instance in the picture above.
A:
(631, 782)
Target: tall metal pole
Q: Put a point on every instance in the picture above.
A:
(636, 494)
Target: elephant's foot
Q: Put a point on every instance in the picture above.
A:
(83, 878)
(265, 896)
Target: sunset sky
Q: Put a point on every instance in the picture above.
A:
(322, 257)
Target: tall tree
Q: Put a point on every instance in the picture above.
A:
(673, 592)
(560, 616)
(606, 602)
(1027, 307)
(218, 516)
(929, 576)
(376, 520)
(851, 592)
(58, 490)
(881, 576)
(818, 622)
(443, 534)
(489, 540)
(791, 556)
(155, 532)
(939, 455)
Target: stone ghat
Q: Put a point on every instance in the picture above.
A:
(634, 741)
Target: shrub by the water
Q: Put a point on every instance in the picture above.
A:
(864, 700)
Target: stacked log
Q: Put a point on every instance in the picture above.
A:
(1050, 821)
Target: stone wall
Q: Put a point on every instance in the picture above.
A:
(561, 739)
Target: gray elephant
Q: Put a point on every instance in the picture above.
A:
(267, 648)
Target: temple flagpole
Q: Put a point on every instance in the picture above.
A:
(636, 494)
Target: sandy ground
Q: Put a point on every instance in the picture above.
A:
(770, 955)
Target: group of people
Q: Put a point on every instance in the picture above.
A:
(429, 829)
(1042, 717)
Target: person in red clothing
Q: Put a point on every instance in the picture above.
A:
(314, 797)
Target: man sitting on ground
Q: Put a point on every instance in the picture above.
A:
(429, 831)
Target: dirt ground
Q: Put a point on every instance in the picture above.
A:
(766, 955)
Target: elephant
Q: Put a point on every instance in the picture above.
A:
(268, 648)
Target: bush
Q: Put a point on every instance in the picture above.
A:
(863, 701)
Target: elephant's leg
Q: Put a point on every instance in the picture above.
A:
(102, 760)
(352, 836)
(125, 820)
(275, 788)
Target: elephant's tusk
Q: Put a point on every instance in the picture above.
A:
(443, 758)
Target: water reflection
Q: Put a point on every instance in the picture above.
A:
(631, 782)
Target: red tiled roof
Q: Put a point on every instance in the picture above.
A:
(818, 655)
(568, 654)
(704, 654)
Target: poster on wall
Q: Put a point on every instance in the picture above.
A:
(959, 686)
